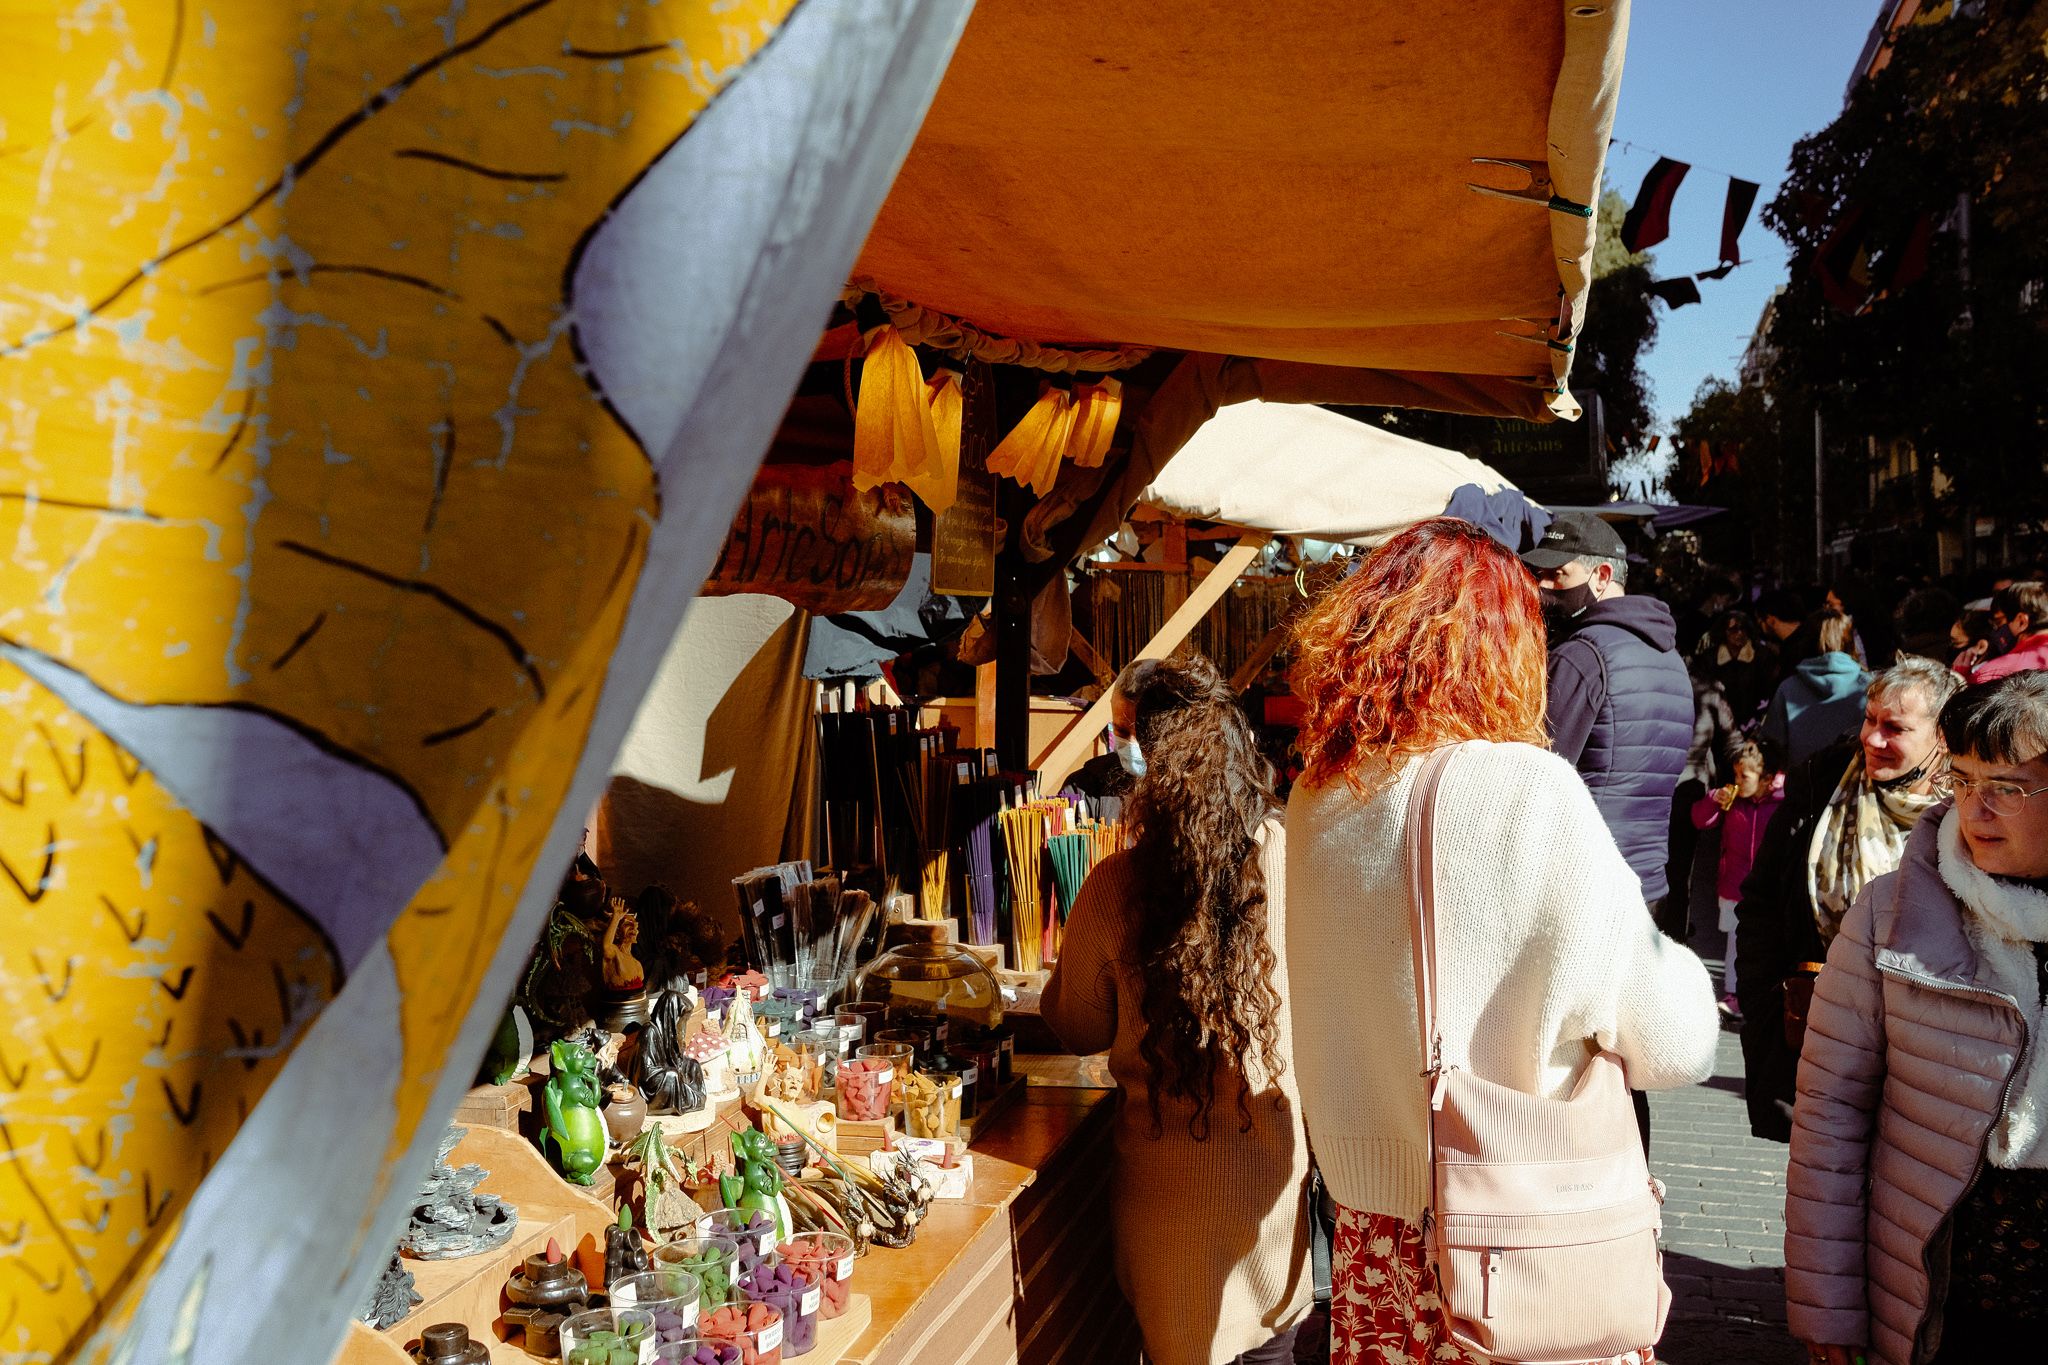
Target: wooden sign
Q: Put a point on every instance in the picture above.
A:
(964, 535)
(805, 535)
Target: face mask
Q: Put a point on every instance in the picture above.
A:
(1561, 605)
(1130, 755)
(2002, 641)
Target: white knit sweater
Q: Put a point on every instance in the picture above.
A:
(1544, 947)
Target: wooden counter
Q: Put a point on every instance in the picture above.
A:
(1020, 1272)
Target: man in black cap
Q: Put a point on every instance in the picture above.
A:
(1621, 703)
(1620, 698)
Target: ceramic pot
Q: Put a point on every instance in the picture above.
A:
(625, 1113)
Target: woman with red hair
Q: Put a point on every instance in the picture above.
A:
(1546, 951)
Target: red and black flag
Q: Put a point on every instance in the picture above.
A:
(1741, 198)
(1649, 218)
(1677, 291)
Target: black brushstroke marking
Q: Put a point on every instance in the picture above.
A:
(235, 940)
(243, 1042)
(475, 168)
(297, 171)
(184, 1113)
(518, 651)
(97, 1224)
(19, 796)
(300, 643)
(444, 460)
(152, 1207)
(458, 731)
(21, 1262)
(77, 1075)
(177, 992)
(224, 859)
(141, 919)
(57, 757)
(177, 44)
(284, 994)
(100, 1157)
(49, 865)
(375, 271)
(72, 505)
(235, 436)
(14, 1076)
(128, 765)
(617, 54)
(429, 911)
(164, 1039)
(56, 993)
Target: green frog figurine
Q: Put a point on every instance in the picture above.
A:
(574, 1126)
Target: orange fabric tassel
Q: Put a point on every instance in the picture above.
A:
(939, 486)
(893, 440)
(1096, 409)
(1031, 453)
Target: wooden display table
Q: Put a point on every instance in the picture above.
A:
(1021, 1272)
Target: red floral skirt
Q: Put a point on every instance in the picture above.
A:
(1384, 1308)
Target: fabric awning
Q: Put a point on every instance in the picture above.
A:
(1298, 470)
(1097, 176)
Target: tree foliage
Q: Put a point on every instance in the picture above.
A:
(1949, 143)
(1620, 325)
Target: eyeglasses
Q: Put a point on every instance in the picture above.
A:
(2003, 799)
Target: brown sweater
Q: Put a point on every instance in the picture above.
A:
(1212, 1236)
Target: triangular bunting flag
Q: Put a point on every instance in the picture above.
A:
(1649, 218)
(1677, 291)
(1741, 196)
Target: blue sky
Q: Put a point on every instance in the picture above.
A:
(1728, 86)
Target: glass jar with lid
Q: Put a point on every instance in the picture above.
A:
(924, 979)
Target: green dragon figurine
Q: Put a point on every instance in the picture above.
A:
(757, 1187)
(574, 1127)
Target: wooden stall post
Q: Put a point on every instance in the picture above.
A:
(1071, 749)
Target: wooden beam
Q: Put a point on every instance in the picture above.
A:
(1255, 663)
(1070, 750)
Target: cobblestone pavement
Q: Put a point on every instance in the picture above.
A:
(1724, 1217)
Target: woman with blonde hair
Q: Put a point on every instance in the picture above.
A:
(1173, 962)
(1545, 949)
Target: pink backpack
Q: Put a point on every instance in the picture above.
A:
(1543, 1218)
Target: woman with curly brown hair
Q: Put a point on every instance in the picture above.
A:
(1173, 961)
(1545, 950)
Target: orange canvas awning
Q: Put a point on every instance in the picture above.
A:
(1096, 175)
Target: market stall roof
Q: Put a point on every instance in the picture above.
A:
(1098, 176)
(1298, 470)
(1662, 516)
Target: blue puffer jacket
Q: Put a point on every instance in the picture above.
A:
(1621, 710)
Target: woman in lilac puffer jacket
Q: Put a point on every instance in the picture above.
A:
(1917, 1202)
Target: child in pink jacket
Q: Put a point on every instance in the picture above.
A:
(1742, 810)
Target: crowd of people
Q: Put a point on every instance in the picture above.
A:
(1361, 1032)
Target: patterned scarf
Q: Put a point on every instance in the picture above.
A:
(1861, 836)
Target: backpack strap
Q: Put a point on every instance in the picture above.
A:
(1420, 837)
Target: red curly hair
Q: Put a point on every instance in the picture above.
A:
(1437, 637)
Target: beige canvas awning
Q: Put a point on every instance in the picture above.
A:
(1096, 175)
(1297, 470)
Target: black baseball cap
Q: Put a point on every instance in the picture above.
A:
(1571, 536)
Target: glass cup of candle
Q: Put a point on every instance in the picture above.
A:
(899, 1057)
(670, 1294)
(607, 1336)
(817, 1053)
(713, 1260)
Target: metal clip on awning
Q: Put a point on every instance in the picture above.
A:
(1537, 191)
